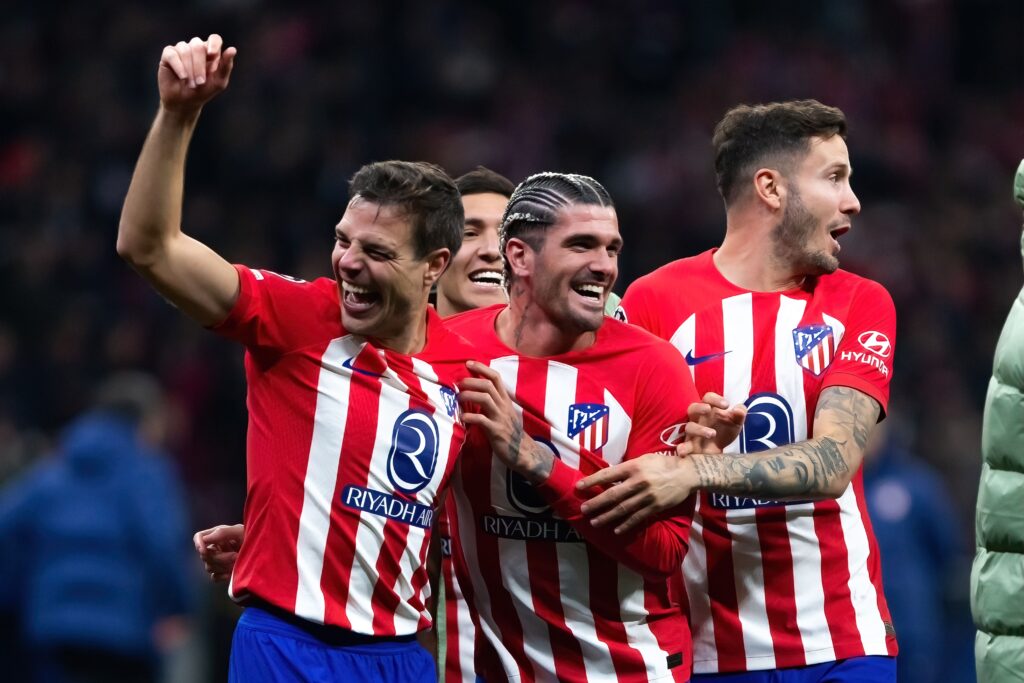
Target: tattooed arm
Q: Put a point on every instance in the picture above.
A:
(816, 469)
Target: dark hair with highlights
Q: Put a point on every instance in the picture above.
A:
(424, 192)
(482, 180)
(535, 203)
(749, 137)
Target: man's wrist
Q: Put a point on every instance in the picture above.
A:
(535, 463)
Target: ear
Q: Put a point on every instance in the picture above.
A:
(770, 187)
(520, 257)
(437, 261)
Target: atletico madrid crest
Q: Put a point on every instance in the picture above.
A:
(588, 424)
(815, 346)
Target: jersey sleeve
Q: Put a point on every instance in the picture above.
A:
(863, 359)
(664, 392)
(274, 313)
(636, 309)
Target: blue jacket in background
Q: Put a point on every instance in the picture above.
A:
(94, 542)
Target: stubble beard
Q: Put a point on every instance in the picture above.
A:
(790, 238)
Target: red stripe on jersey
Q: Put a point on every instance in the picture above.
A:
(725, 611)
(360, 435)
(835, 576)
(488, 663)
(542, 558)
(875, 563)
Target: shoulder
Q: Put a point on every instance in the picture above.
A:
(630, 340)
(671, 273)
(856, 286)
(474, 324)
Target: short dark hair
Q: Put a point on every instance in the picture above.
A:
(482, 180)
(749, 136)
(424, 192)
(535, 203)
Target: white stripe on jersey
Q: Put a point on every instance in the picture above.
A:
(685, 339)
(638, 632)
(618, 439)
(561, 392)
(512, 553)
(738, 333)
(321, 476)
(862, 591)
(370, 530)
(809, 596)
(694, 565)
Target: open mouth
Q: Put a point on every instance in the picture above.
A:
(486, 278)
(836, 233)
(591, 292)
(358, 299)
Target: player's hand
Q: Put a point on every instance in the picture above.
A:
(487, 405)
(218, 549)
(193, 73)
(637, 490)
(712, 425)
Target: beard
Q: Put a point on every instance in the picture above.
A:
(790, 239)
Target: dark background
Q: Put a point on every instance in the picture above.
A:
(626, 92)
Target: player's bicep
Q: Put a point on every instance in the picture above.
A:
(846, 416)
(194, 278)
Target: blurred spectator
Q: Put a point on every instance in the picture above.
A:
(924, 559)
(997, 578)
(96, 557)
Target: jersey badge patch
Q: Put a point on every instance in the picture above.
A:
(815, 346)
(588, 424)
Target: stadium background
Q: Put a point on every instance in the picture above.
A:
(626, 92)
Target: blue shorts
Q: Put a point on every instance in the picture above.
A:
(268, 649)
(853, 670)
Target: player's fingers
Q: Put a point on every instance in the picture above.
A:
(172, 60)
(227, 63)
(608, 499)
(214, 45)
(716, 400)
(698, 411)
(604, 477)
(622, 510)
(225, 536)
(488, 373)
(197, 50)
(634, 521)
(686, 448)
(695, 430)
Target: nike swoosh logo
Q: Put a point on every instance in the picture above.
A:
(348, 364)
(697, 360)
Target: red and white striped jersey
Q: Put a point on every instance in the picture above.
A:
(555, 598)
(772, 584)
(460, 630)
(349, 446)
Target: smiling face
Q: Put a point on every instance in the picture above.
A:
(382, 283)
(474, 278)
(819, 208)
(570, 275)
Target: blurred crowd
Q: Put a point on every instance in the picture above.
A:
(626, 92)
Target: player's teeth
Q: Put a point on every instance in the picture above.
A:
(489, 277)
(590, 290)
(355, 289)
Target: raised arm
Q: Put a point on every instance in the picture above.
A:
(186, 272)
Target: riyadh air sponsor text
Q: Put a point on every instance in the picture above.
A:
(385, 505)
(523, 529)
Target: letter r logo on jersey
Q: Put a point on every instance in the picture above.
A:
(414, 448)
(769, 423)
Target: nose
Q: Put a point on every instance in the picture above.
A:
(350, 259)
(490, 248)
(604, 263)
(850, 204)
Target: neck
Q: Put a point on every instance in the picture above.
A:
(746, 260)
(525, 327)
(446, 308)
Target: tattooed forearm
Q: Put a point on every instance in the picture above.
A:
(849, 409)
(810, 469)
(528, 457)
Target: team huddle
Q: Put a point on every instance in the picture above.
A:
(670, 492)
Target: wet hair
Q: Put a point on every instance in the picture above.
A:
(482, 180)
(535, 203)
(779, 133)
(423, 192)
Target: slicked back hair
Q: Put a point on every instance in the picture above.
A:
(482, 180)
(535, 203)
(776, 134)
(423, 192)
